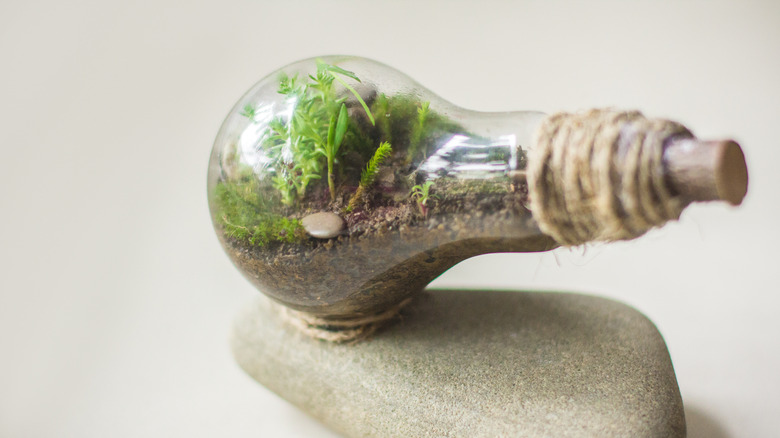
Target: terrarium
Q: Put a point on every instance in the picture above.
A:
(339, 186)
(337, 182)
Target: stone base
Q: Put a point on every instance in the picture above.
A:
(477, 364)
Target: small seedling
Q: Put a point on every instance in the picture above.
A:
(421, 194)
(368, 175)
(382, 153)
(249, 112)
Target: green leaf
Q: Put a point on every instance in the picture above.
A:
(341, 71)
(360, 99)
(422, 112)
(341, 127)
(331, 134)
(249, 111)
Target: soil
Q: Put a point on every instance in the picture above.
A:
(392, 246)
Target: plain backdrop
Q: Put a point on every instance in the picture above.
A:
(116, 299)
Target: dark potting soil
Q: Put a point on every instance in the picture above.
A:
(392, 247)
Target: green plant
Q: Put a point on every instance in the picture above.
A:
(249, 112)
(292, 145)
(314, 132)
(336, 130)
(382, 112)
(418, 130)
(372, 168)
(333, 69)
(421, 194)
(368, 175)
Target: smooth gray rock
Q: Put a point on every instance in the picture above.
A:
(477, 364)
(323, 225)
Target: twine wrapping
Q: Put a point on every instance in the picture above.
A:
(599, 176)
(340, 330)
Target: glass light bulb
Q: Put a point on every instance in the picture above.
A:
(339, 186)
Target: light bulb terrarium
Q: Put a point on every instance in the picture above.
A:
(339, 186)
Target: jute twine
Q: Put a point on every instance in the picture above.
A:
(340, 330)
(599, 176)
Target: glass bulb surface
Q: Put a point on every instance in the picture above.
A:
(339, 186)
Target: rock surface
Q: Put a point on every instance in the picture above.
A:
(323, 225)
(477, 364)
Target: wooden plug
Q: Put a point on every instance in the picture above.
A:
(706, 170)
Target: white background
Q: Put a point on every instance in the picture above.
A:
(116, 300)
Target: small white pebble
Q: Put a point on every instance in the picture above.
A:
(323, 225)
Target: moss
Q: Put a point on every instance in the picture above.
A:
(243, 216)
(409, 124)
(458, 188)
